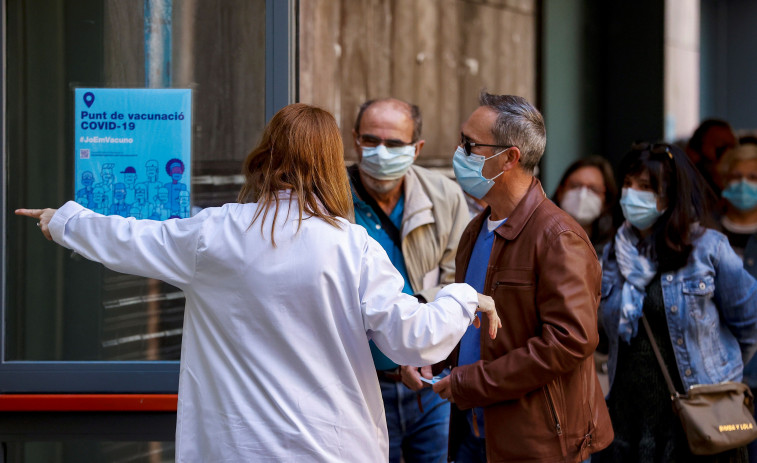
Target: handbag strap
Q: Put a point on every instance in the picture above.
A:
(657, 354)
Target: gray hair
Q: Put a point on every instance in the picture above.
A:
(745, 152)
(519, 124)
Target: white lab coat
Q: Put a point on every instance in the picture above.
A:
(275, 363)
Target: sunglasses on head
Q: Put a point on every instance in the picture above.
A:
(654, 148)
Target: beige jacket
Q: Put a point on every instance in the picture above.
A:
(434, 218)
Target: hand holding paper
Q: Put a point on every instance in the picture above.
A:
(412, 376)
(443, 387)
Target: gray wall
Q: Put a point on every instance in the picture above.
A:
(602, 79)
(728, 88)
(569, 85)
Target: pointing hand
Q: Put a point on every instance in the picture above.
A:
(43, 217)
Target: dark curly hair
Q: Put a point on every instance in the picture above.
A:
(174, 161)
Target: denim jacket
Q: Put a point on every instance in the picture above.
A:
(710, 306)
(750, 256)
(750, 264)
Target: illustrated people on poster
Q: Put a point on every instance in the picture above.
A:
(87, 179)
(160, 209)
(101, 204)
(82, 200)
(108, 178)
(175, 169)
(140, 201)
(135, 212)
(120, 206)
(130, 180)
(152, 171)
(184, 204)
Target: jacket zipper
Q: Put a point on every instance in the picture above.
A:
(510, 283)
(553, 411)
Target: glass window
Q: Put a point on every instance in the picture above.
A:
(76, 451)
(59, 306)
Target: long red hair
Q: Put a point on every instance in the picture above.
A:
(300, 150)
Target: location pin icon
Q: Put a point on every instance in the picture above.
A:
(89, 98)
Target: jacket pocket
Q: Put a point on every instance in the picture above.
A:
(699, 285)
(698, 291)
(552, 409)
(513, 284)
(555, 417)
(515, 278)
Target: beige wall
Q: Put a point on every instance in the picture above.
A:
(682, 57)
(435, 53)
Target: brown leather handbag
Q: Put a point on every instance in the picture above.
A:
(715, 417)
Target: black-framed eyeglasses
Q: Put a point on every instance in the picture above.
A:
(468, 145)
(372, 141)
(654, 148)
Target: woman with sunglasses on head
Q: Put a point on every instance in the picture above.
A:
(692, 289)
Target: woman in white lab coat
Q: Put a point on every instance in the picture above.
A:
(282, 295)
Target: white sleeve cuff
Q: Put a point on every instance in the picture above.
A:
(57, 225)
(464, 294)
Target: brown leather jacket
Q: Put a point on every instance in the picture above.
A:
(536, 381)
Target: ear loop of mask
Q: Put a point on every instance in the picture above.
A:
(492, 157)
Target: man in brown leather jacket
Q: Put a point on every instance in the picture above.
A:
(531, 394)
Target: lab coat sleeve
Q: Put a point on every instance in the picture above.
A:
(161, 250)
(406, 331)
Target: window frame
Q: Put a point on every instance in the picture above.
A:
(131, 376)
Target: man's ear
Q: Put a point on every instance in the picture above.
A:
(512, 157)
(418, 146)
(358, 151)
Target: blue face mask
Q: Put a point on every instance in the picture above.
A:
(384, 163)
(468, 172)
(742, 194)
(640, 208)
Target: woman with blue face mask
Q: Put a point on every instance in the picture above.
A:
(691, 287)
(738, 169)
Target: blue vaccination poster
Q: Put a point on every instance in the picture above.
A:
(133, 151)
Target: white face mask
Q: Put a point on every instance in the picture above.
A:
(582, 204)
(384, 163)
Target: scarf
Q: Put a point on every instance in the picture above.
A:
(638, 271)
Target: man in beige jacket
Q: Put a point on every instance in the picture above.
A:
(417, 216)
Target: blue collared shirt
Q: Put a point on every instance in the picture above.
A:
(475, 275)
(365, 216)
